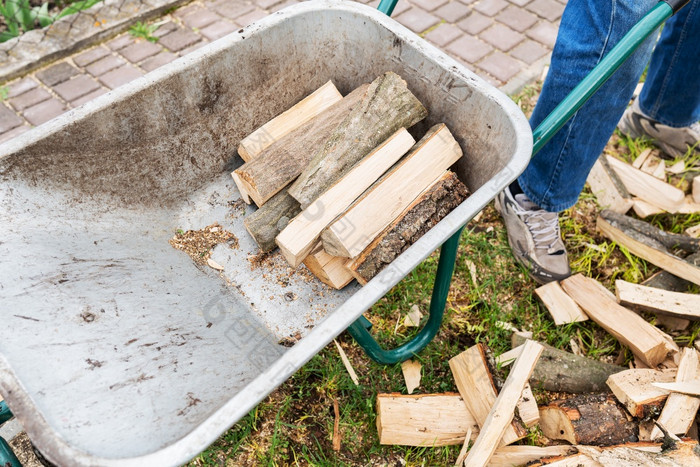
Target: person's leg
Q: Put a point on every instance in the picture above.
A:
(589, 30)
(671, 93)
(668, 108)
(555, 176)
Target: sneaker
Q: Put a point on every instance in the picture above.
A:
(673, 141)
(534, 237)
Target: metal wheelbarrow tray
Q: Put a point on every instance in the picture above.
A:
(116, 348)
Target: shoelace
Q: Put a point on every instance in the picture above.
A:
(543, 225)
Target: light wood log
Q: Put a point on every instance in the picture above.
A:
(680, 305)
(691, 388)
(644, 209)
(595, 419)
(689, 206)
(286, 122)
(527, 407)
(650, 251)
(647, 187)
(328, 269)
(380, 205)
(633, 388)
(283, 161)
(423, 420)
(625, 325)
(267, 222)
(654, 166)
(679, 412)
(303, 231)
(607, 187)
(561, 371)
(429, 208)
(667, 239)
(561, 307)
(508, 456)
(641, 158)
(501, 414)
(696, 189)
(475, 383)
(387, 106)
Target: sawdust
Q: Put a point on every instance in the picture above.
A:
(199, 243)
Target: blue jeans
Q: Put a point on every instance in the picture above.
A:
(671, 94)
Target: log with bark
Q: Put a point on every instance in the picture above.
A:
(667, 239)
(608, 188)
(649, 249)
(268, 221)
(596, 419)
(387, 106)
(283, 161)
(419, 217)
(561, 371)
(667, 281)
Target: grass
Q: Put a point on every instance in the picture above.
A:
(144, 30)
(294, 425)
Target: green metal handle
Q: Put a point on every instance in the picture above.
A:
(387, 6)
(600, 74)
(5, 413)
(443, 278)
(7, 456)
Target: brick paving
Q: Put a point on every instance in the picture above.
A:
(507, 42)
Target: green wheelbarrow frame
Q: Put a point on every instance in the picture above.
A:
(359, 330)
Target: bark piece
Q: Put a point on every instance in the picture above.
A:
(419, 217)
(283, 161)
(328, 269)
(595, 419)
(677, 304)
(633, 388)
(561, 371)
(423, 420)
(608, 188)
(561, 307)
(383, 203)
(647, 187)
(303, 231)
(501, 413)
(289, 120)
(679, 412)
(268, 221)
(626, 326)
(475, 383)
(650, 250)
(387, 106)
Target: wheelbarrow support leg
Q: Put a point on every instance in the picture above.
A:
(7, 456)
(443, 278)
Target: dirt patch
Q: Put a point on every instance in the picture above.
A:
(199, 243)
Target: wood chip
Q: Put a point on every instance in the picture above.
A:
(346, 362)
(411, 370)
(413, 317)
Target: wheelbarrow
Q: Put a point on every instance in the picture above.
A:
(118, 349)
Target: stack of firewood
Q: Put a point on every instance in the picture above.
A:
(342, 186)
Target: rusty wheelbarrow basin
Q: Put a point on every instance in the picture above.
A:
(117, 348)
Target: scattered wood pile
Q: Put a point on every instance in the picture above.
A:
(610, 415)
(341, 185)
(643, 187)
